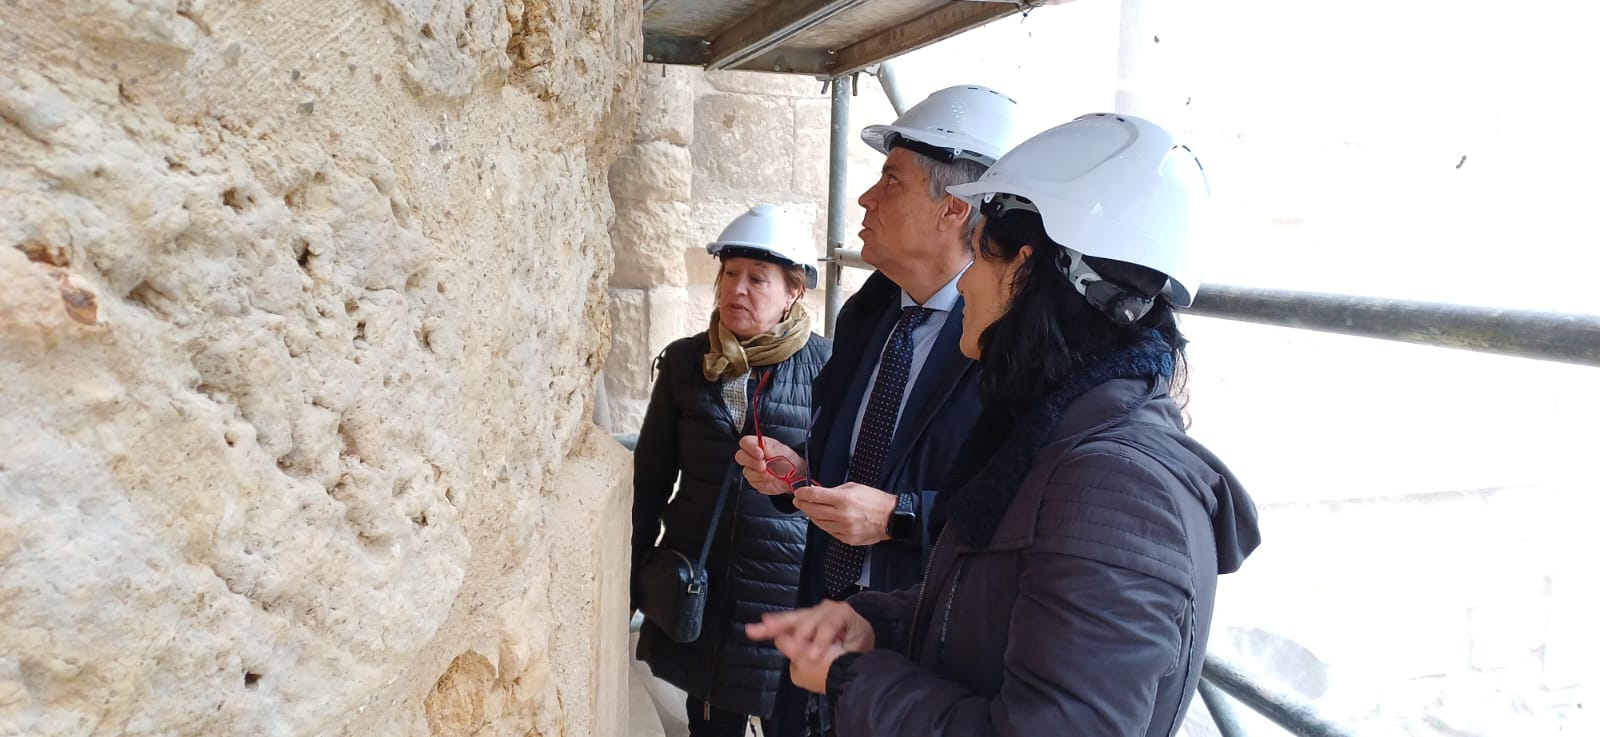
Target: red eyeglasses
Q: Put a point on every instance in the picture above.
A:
(775, 466)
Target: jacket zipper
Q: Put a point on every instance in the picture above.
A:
(733, 529)
(949, 605)
(727, 580)
(913, 645)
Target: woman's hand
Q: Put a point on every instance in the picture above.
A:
(813, 638)
(812, 631)
(811, 673)
(754, 458)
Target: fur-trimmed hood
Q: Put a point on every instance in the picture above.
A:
(1133, 388)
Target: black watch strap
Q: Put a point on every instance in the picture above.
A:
(903, 521)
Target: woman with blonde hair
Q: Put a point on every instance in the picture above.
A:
(750, 372)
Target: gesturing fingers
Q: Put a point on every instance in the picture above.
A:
(773, 625)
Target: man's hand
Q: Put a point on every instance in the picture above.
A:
(813, 638)
(853, 514)
(753, 457)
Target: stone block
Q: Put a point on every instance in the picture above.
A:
(666, 104)
(655, 170)
(643, 322)
(627, 365)
(815, 211)
(587, 537)
(765, 83)
(812, 130)
(647, 236)
(668, 308)
(743, 145)
(701, 267)
(709, 215)
(627, 415)
(701, 300)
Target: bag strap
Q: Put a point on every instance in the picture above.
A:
(729, 479)
(716, 513)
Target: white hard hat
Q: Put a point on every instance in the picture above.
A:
(967, 121)
(768, 233)
(1110, 186)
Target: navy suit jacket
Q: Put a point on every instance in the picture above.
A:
(941, 407)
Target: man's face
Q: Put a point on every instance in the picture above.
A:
(901, 224)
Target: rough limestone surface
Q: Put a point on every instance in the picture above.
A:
(657, 170)
(651, 183)
(651, 318)
(666, 104)
(743, 144)
(708, 146)
(302, 308)
(648, 236)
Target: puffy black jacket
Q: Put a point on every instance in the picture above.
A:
(688, 439)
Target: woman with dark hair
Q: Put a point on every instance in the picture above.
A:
(1072, 588)
(750, 372)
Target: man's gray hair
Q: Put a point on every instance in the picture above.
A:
(944, 175)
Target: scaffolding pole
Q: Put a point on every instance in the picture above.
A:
(838, 169)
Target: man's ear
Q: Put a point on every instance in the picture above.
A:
(953, 213)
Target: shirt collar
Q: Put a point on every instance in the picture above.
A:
(943, 300)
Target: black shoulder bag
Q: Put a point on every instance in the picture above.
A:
(672, 588)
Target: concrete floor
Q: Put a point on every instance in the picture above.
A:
(655, 707)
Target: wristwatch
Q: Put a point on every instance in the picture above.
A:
(903, 520)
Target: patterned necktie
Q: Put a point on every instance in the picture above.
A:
(841, 563)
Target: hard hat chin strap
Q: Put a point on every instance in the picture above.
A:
(1122, 306)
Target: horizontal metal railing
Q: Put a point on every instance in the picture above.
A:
(1547, 336)
(1286, 710)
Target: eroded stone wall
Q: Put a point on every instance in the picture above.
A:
(708, 146)
(650, 184)
(301, 306)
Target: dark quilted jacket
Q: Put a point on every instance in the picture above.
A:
(688, 439)
(1088, 609)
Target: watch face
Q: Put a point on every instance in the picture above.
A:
(902, 525)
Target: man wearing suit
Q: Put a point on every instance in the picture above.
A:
(893, 405)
